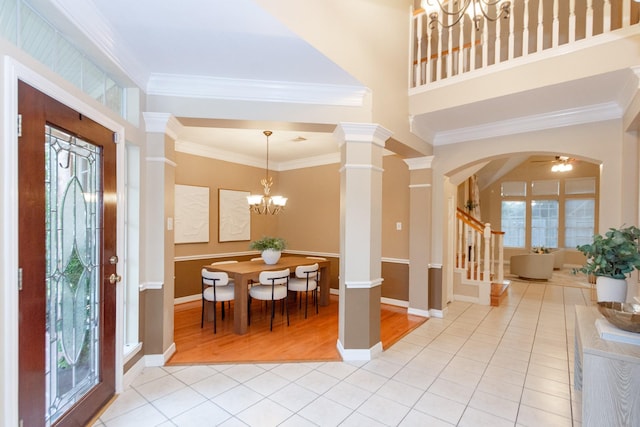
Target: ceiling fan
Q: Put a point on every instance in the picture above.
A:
(560, 163)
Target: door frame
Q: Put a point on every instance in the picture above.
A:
(12, 71)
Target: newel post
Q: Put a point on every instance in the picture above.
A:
(487, 252)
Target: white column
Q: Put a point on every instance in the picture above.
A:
(361, 147)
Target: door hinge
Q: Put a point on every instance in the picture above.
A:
(115, 137)
(19, 279)
(21, 423)
(19, 125)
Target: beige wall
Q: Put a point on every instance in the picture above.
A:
(310, 223)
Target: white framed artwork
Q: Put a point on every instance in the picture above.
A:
(191, 224)
(234, 217)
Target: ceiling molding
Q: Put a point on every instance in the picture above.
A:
(326, 159)
(255, 90)
(361, 132)
(417, 163)
(197, 149)
(556, 119)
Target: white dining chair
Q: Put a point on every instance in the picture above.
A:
(306, 280)
(272, 287)
(231, 281)
(215, 288)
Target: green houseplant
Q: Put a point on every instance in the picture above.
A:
(612, 256)
(270, 248)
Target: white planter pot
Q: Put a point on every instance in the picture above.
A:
(609, 289)
(270, 256)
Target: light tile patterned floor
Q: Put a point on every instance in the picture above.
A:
(479, 366)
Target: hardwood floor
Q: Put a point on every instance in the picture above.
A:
(311, 339)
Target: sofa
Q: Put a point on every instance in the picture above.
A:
(558, 258)
(533, 266)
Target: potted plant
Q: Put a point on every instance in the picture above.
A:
(611, 259)
(270, 248)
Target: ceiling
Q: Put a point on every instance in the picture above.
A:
(238, 41)
(235, 40)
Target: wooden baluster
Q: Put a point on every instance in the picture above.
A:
(540, 29)
(485, 44)
(427, 60)
(417, 28)
(462, 56)
(572, 21)
(497, 46)
(626, 13)
(512, 36)
(589, 23)
(525, 30)
(472, 55)
(467, 242)
(459, 249)
(606, 15)
(450, 47)
(500, 258)
(439, 55)
(478, 258)
(492, 265)
(555, 32)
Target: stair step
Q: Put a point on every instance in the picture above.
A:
(498, 292)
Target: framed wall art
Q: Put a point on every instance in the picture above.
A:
(234, 217)
(191, 224)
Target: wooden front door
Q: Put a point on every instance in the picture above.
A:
(67, 244)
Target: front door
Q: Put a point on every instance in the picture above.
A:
(67, 243)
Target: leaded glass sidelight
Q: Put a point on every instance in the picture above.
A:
(73, 222)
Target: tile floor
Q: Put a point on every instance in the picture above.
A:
(479, 366)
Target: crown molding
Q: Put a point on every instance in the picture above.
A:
(556, 119)
(197, 149)
(361, 132)
(255, 90)
(417, 163)
(162, 123)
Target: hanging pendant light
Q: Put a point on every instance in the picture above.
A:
(265, 203)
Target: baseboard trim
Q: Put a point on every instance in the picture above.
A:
(419, 312)
(160, 359)
(359, 354)
(466, 298)
(438, 314)
(188, 298)
(395, 302)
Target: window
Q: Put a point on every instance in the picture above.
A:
(513, 223)
(552, 213)
(544, 223)
(579, 220)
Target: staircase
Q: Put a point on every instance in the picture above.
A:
(479, 266)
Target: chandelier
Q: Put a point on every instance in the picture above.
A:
(266, 204)
(477, 10)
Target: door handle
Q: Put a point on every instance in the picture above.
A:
(114, 278)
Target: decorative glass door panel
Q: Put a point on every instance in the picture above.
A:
(73, 278)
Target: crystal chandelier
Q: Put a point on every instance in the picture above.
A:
(477, 10)
(266, 204)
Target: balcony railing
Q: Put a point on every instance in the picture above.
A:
(532, 26)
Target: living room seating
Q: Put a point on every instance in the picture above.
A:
(558, 258)
(533, 266)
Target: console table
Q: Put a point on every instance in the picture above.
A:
(607, 372)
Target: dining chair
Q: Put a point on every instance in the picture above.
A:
(215, 288)
(306, 280)
(231, 281)
(272, 287)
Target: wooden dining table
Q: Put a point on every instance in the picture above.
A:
(246, 272)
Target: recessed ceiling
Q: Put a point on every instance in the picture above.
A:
(221, 39)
